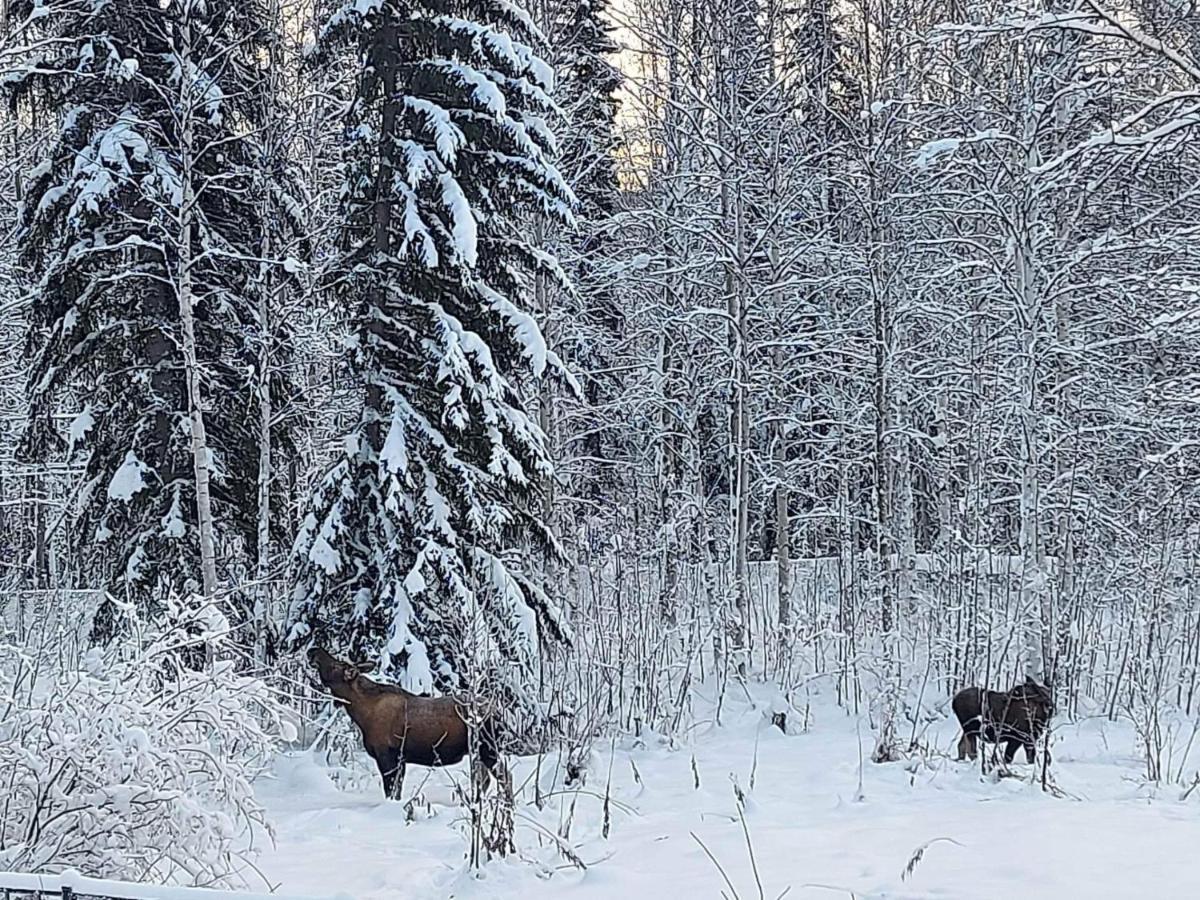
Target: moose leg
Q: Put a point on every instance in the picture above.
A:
(389, 778)
(1030, 752)
(484, 766)
(397, 779)
(970, 745)
(391, 769)
(1010, 751)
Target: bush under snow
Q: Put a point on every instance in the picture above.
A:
(130, 765)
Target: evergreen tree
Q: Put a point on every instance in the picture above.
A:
(593, 323)
(156, 107)
(589, 85)
(410, 552)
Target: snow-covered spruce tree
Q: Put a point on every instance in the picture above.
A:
(590, 324)
(143, 198)
(589, 84)
(415, 538)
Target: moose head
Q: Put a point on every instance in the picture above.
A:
(337, 676)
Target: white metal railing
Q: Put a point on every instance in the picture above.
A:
(70, 885)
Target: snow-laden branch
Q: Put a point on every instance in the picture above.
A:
(129, 763)
(1181, 106)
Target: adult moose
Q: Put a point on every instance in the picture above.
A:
(399, 727)
(1015, 718)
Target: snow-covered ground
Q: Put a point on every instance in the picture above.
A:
(1103, 834)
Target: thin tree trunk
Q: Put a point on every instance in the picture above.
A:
(1032, 575)
(732, 215)
(265, 416)
(1056, 625)
(905, 514)
(200, 453)
(668, 446)
(783, 535)
(41, 566)
(266, 411)
(883, 303)
(667, 465)
(545, 397)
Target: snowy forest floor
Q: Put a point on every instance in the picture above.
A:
(1104, 833)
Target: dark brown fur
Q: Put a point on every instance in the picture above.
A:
(399, 727)
(1015, 718)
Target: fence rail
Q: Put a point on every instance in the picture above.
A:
(71, 885)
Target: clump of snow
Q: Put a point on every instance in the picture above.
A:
(172, 522)
(322, 552)
(932, 150)
(80, 426)
(394, 455)
(463, 228)
(448, 137)
(127, 481)
(418, 672)
(525, 329)
(929, 153)
(100, 168)
(414, 581)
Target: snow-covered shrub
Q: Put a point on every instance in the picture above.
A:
(131, 765)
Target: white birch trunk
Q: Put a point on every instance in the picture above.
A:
(782, 535)
(545, 399)
(945, 477)
(733, 218)
(905, 514)
(1033, 564)
(266, 412)
(668, 451)
(1032, 571)
(200, 452)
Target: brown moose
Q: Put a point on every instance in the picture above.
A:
(1015, 718)
(399, 727)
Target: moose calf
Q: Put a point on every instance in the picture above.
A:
(399, 727)
(1015, 718)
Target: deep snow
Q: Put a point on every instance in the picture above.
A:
(1106, 834)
